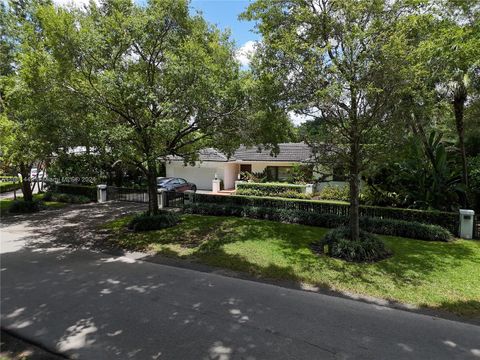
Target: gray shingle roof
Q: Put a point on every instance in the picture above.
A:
(210, 154)
(289, 152)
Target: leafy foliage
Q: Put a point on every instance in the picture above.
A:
(87, 191)
(413, 180)
(332, 192)
(270, 189)
(291, 194)
(146, 222)
(448, 220)
(22, 207)
(66, 198)
(368, 247)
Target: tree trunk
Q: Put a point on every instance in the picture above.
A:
(458, 107)
(355, 189)
(26, 182)
(152, 188)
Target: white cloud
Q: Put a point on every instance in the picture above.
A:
(298, 119)
(74, 3)
(245, 52)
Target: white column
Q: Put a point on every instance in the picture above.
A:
(216, 185)
(101, 193)
(162, 198)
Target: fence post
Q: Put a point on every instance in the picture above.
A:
(309, 189)
(216, 185)
(466, 223)
(101, 193)
(188, 197)
(162, 198)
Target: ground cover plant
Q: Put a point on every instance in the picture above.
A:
(5, 204)
(145, 222)
(367, 248)
(441, 275)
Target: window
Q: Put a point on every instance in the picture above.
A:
(279, 173)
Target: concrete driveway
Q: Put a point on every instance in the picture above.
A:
(91, 305)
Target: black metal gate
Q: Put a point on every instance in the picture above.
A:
(476, 227)
(174, 199)
(127, 194)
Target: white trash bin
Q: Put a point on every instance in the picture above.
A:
(466, 223)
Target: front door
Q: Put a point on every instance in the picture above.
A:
(246, 168)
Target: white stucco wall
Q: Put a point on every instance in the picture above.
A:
(230, 175)
(201, 174)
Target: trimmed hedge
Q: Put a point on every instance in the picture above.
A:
(89, 191)
(145, 222)
(66, 198)
(391, 227)
(9, 186)
(271, 189)
(448, 220)
(290, 194)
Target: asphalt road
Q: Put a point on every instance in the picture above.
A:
(90, 305)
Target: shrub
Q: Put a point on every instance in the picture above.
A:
(23, 207)
(391, 227)
(332, 192)
(145, 222)
(367, 248)
(447, 220)
(9, 186)
(271, 189)
(66, 198)
(89, 191)
(409, 229)
(286, 194)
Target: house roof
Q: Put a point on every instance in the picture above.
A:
(289, 152)
(211, 154)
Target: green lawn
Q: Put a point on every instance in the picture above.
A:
(5, 203)
(427, 274)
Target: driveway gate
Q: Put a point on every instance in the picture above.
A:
(127, 194)
(174, 199)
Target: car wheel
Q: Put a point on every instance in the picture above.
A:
(194, 188)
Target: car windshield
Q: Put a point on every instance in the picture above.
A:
(163, 181)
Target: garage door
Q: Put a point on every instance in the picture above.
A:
(202, 177)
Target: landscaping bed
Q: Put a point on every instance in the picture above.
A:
(440, 275)
(5, 204)
(9, 186)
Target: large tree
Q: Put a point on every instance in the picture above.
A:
(31, 102)
(435, 56)
(166, 81)
(328, 56)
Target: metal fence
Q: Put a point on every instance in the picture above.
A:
(174, 199)
(127, 194)
(476, 227)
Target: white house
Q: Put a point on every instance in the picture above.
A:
(212, 162)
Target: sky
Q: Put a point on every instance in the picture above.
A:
(223, 13)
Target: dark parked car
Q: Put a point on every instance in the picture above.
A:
(175, 184)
